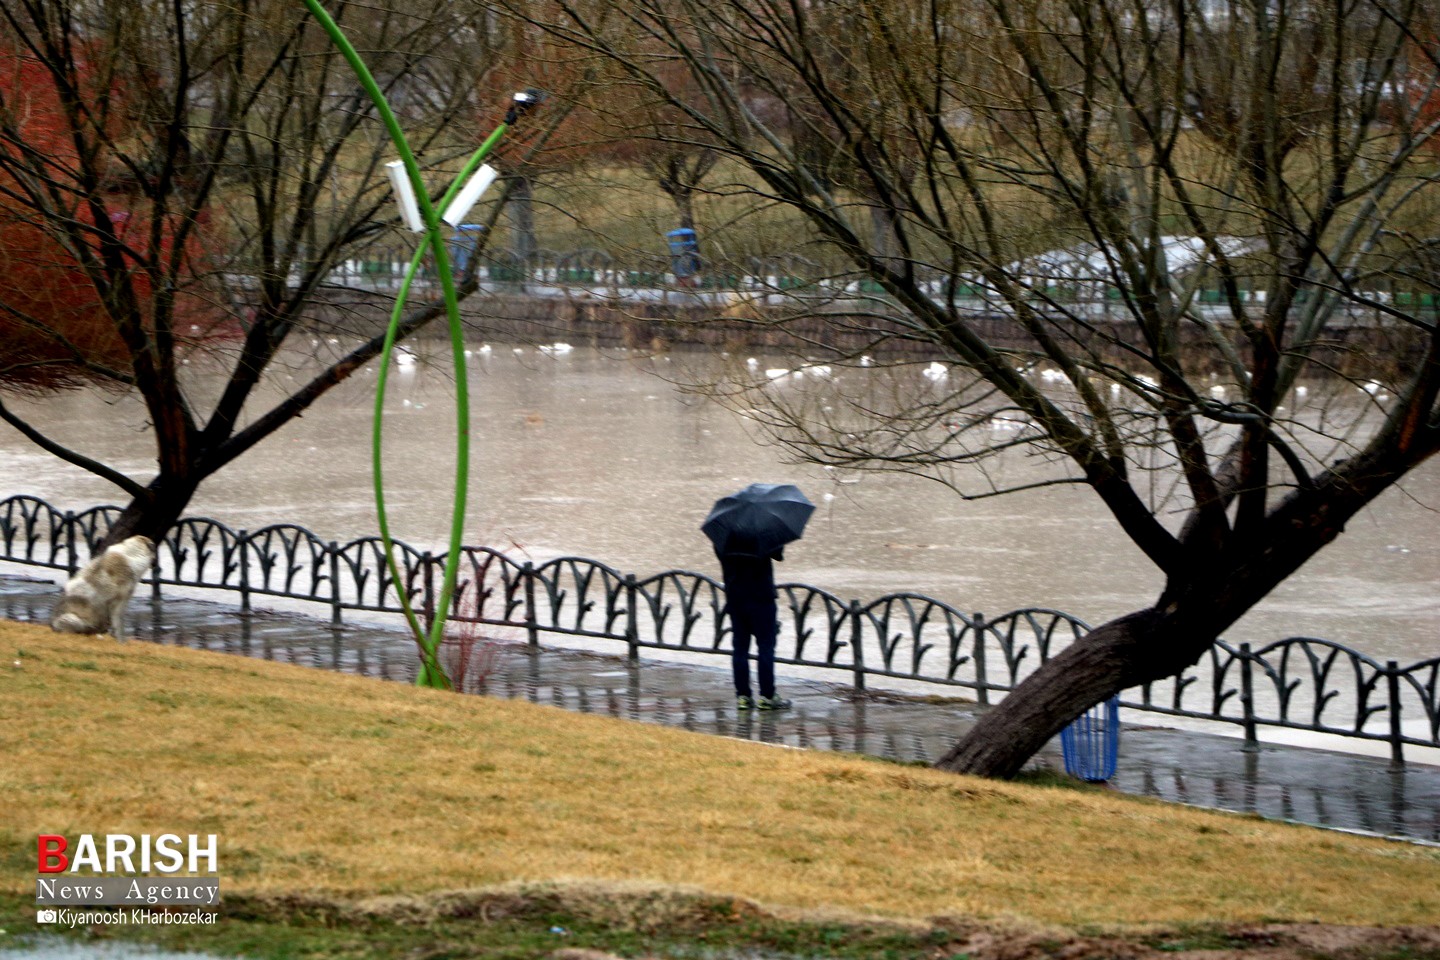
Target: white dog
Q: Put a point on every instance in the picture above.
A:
(96, 597)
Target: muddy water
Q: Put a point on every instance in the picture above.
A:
(597, 454)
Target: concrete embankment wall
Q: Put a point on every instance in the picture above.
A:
(705, 319)
(830, 331)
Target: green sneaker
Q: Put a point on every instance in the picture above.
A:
(773, 703)
(744, 703)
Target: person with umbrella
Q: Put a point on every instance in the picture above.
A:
(749, 531)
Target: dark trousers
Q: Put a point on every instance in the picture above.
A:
(761, 623)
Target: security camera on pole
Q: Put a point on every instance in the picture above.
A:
(421, 216)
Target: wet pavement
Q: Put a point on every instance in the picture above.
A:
(1305, 785)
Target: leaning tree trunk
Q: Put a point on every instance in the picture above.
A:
(1160, 642)
(1137, 648)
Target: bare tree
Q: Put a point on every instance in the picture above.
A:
(646, 131)
(1178, 208)
(206, 169)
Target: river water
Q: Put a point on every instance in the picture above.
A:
(596, 453)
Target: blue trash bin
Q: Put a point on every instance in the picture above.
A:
(1091, 744)
(684, 253)
(462, 246)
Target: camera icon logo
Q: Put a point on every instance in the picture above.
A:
(47, 916)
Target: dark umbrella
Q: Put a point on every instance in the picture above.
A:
(759, 520)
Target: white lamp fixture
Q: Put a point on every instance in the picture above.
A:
(405, 196)
(477, 185)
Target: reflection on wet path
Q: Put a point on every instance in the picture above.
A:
(1311, 786)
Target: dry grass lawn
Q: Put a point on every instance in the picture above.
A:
(317, 782)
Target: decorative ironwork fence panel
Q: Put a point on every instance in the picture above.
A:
(1298, 683)
(361, 579)
(202, 553)
(822, 628)
(579, 597)
(678, 610)
(36, 533)
(490, 589)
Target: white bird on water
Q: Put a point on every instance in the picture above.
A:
(1054, 376)
(936, 371)
(1376, 389)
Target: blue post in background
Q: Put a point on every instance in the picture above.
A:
(684, 255)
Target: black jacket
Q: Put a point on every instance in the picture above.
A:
(749, 581)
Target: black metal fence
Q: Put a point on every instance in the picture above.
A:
(1299, 683)
(384, 266)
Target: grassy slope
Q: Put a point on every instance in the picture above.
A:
(322, 782)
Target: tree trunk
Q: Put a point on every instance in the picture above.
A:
(685, 205)
(153, 514)
(884, 225)
(1134, 649)
(522, 223)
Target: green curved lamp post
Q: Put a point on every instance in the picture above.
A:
(423, 217)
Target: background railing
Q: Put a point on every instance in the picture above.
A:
(777, 279)
(1299, 683)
